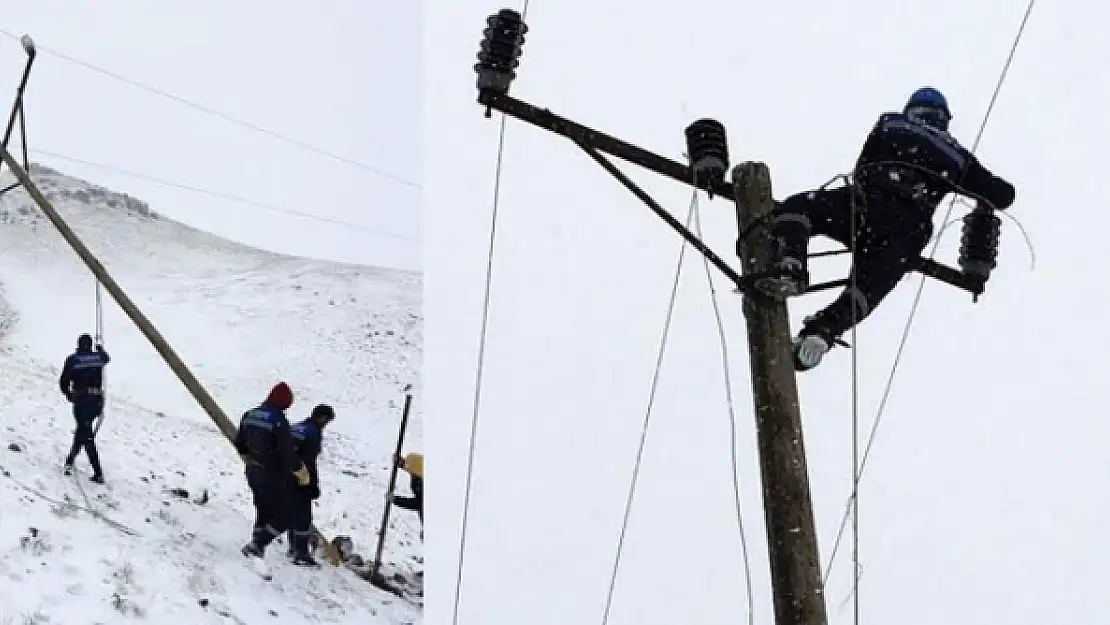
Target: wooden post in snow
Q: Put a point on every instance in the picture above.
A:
(791, 536)
(392, 484)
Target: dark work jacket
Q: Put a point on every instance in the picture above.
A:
(308, 439)
(416, 502)
(264, 437)
(83, 371)
(896, 141)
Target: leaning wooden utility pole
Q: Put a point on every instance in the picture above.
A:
(149, 331)
(791, 536)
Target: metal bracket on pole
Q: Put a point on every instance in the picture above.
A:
(17, 113)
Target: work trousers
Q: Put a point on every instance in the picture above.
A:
(889, 237)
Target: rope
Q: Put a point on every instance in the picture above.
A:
(917, 297)
(70, 503)
(731, 420)
(855, 417)
(99, 340)
(647, 416)
(481, 358)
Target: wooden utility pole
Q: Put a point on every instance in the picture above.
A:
(791, 536)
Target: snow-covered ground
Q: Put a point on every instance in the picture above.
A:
(74, 552)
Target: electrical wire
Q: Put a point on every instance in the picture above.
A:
(731, 421)
(647, 416)
(481, 359)
(225, 196)
(224, 116)
(855, 411)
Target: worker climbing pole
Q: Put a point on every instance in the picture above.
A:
(769, 273)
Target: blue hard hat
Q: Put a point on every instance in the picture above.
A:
(928, 97)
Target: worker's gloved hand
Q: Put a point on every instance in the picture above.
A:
(302, 476)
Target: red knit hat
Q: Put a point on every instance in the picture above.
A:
(281, 396)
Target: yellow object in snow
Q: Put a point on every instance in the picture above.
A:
(414, 464)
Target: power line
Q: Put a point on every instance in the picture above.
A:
(481, 360)
(480, 367)
(225, 196)
(730, 404)
(224, 116)
(634, 481)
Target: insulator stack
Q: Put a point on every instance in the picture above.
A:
(707, 147)
(979, 245)
(500, 51)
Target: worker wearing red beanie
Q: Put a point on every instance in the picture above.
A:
(266, 446)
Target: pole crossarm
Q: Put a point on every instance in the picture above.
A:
(706, 143)
(596, 139)
(593, 142)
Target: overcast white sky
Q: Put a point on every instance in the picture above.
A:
(983, 499)
(342, 76)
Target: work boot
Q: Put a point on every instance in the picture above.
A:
(808, 351)
(811, 344)
(789, 278)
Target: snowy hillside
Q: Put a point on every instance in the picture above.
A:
(242, 319)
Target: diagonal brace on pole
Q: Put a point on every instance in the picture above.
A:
(710, 255)
(17, 113)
